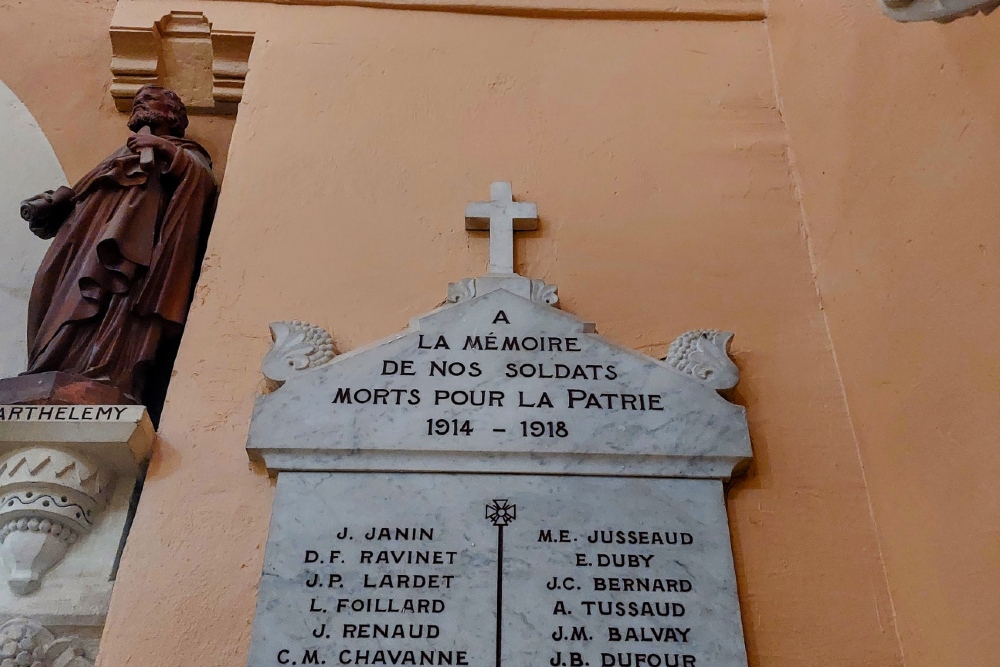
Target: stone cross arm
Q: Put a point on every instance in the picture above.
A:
(502, 216)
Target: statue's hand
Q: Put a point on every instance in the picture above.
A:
(164, 148)
(47, 212)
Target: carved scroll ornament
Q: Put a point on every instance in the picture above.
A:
(703, 354)
(537, 290)
(25, 642)
(298, 346)
(942, 11)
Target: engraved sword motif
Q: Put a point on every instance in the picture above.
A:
(502, 513)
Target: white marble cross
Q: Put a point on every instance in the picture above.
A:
(502, 216)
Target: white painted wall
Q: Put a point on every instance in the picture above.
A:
(28, 165)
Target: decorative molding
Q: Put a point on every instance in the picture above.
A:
(181, 51)
(25, 642)
(703, 354)
(942, 11)
(648, 10)
(134, 63)
(186, 58)
(50, 497)
(298, 346)
(536, 290)
(463, 290)
(229, 69)
(543, 292)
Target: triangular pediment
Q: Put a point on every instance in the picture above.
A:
(499, 383)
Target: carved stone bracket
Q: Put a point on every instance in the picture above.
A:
(49, 497)
(298, 346)
(942, 11)
(59, 467)
(703, 354)
(25, 642)
(182, 52)
(536, 290)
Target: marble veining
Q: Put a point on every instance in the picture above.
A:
(446, 396)
(374, 568)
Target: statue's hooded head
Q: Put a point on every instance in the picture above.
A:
(156, 106)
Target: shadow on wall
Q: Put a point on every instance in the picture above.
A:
(28, 165)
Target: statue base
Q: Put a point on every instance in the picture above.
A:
(58, 388)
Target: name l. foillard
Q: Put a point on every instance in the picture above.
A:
(389, 606)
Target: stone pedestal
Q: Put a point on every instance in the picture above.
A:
(58, 388)
(67, 475)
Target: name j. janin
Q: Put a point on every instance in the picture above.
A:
(392, 533)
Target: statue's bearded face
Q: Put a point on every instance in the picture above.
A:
(158, 108)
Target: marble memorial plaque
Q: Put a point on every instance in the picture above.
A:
(502, 384)
(457, 569)
(498, 485)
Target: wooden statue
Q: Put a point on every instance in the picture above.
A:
(113, 290)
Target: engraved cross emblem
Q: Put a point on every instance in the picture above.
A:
(501, 512)
(502, 216)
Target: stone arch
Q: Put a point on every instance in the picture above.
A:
(28, 165)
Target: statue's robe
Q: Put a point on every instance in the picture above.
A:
(115, 285)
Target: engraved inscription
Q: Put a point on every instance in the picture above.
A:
(86, 413)
(508, 570)
(493, 364)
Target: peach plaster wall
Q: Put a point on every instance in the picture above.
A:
(895, 133)
(894, 140)
(56, 57)
(658, 159)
